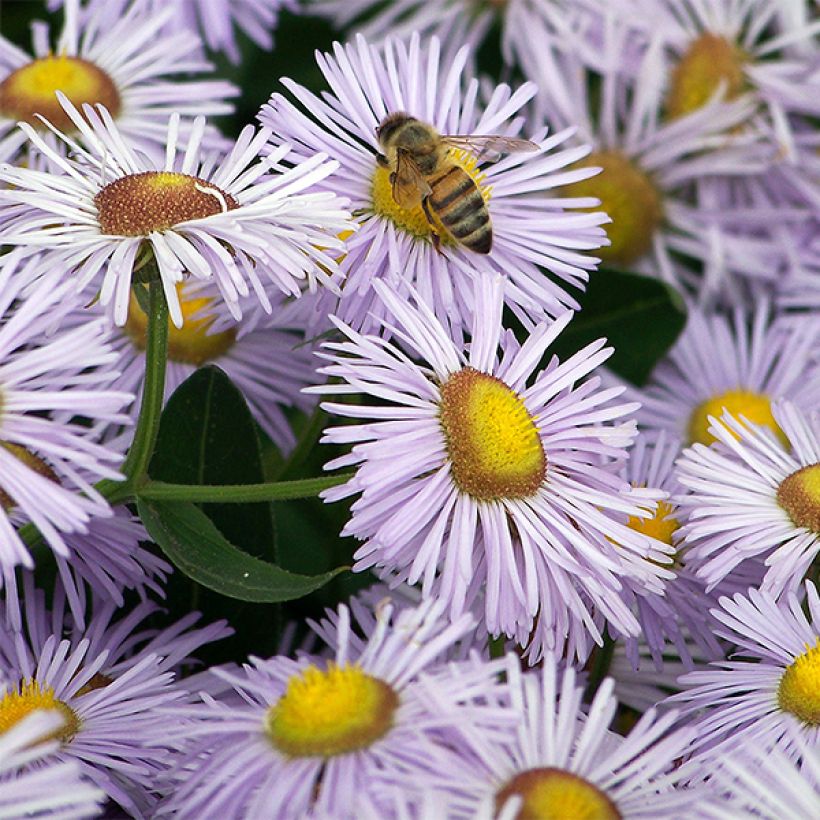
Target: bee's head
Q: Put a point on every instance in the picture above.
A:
(390, 125)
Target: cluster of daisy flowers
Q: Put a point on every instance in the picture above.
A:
(582, 597)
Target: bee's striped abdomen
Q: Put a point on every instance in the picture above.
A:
(458, 203)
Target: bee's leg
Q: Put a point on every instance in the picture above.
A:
(435, 234)
(382, 160)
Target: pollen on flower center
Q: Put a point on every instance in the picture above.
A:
(30, 90)
(19, 702)
(755, 407)
(31, 461)
(799, 495)
(330, 712)
(413, 220)
(556, 794)
(631, 200)
(492, 441)
(710, 60)
(138, 204)
(799, 689)
(191, 343)
(661, 526)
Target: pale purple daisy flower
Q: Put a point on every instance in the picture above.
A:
(769, 696)
(742, 46)
(105, 561)
(268, 358)
(109, 682)
(740, 363)
(124, 62)
(753, 498)
(33, 786)
(314, 736)
(649, 165)
(477, 471)
(563, 760)
(215, 21)
(456, 22)
(226, 218)
(765, 783)
(48, 460)
(531, 227)
(682, 613)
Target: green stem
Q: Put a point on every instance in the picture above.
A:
(240, 493)
(599, 667)
(153, 390)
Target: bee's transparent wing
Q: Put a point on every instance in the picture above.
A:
(488, 145)
(409, 184)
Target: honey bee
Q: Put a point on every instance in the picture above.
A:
(423, 173)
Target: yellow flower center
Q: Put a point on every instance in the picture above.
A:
(30, 90)
(662, 525)
(138, 204)
(755, 407)
(21, 701)
(413, 219)
(31, 461)
(189, 344)
(799, 495)
(492, 441)
(799, 689)
(325, 713)
(629, 196)
(555, 794)
(710, 60)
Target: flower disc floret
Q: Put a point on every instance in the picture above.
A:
(799, 689)
(331, 712)
(799, 495)
(492, 441)
(755, 407)
(29, 696)
(709, 61)
(139, 204)
(629, 197)
(31, 90)
(661, 526)
(554, 794)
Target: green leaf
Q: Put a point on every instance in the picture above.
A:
(640, 317)
(207, 435)
(195, 546)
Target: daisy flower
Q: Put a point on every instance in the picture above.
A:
(215, 21)
(314, 736)
(452, 21)
(531, 228)
(105, 561)
(30, 785)
(682, 613)
(740, 363)
(48, 460)
(267, 358)
(563, 761)
(125, 62)
(649, 166)
(754, 498)
(770, 695)
(750, 45)
(223, 218)
(768, 784)
(477, 472)
(109, 682)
